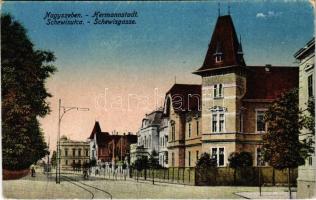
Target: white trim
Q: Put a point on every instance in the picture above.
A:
(217, 155)
(218, 122)
(218, 91)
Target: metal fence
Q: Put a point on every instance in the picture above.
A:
(178, 175)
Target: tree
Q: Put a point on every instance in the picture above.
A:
(239, 160)
(153, 160)
(308, 123)
(281, 145)
(205, 161)
(93, 162)
(23, 72)
(54, 158)
(141, 163)
(204, 167)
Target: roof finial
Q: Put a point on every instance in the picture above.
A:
(175, 79)
(240, 51)
(219, 9)
(228, 8)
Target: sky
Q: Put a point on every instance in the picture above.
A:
(122, 72)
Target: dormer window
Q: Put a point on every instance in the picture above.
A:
(218, 53)
(218, 58)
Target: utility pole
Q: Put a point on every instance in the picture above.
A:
(60, 116)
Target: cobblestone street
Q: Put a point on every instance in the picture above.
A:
(42, 187)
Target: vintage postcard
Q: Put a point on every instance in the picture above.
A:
(158, 99)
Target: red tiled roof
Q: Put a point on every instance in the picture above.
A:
(224, 40)
(185, 97)
(269, 82)
(103, 138)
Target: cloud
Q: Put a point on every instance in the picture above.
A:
(260, 15)
(269, 14)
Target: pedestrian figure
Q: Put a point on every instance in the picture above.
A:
(33, 171)
(85, 173)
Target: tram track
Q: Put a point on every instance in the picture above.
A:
(86, 187)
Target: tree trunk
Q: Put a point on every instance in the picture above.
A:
(289, 182)
(273, 176)
(235, 176)
(145, 174)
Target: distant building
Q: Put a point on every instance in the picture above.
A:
(73, 152)
(148, 134)
(110, 148)
(137, 152)
(306, 173)
(163, 141)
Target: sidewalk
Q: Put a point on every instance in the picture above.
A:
(266, 195)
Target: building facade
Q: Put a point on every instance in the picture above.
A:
(73, 152)
(182, 108)
(229, 115)
(306, 173)
(108, 148)
(148, 134)
(163, 141)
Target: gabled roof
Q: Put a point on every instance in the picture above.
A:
(224, 40)
(100, 136)
(267, 83)
(185, 97)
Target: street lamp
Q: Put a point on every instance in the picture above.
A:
(61, 113)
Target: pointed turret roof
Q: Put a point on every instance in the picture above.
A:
(96, 129)
(225, 37)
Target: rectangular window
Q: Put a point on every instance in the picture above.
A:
(166, 158)
(241, 122)
(173, 132)
(149, 141)
(73, 161)
(79, 152)
(214, 153)
(189, 129)
(218, 91)
(310, 86)
(261, 125)
(218, 122)
(221, 122)
(66, 152)
(197, 127)
(221, 157)
(189, 158)
(214, 122)
(79, 162)
(172, 159)
(145, 145)
(259, 159)
(66, 162)
(310, 161)
(197, 155)
(73, 152)
(87, 152)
